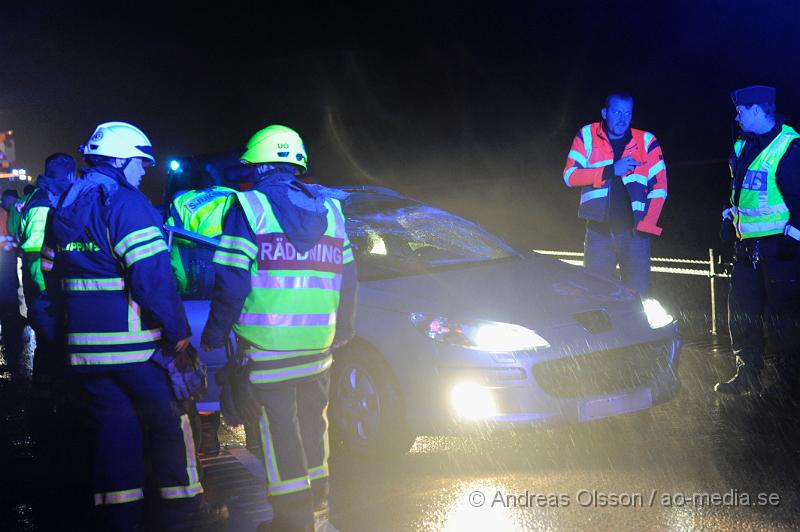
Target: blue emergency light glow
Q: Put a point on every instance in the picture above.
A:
(174, 165)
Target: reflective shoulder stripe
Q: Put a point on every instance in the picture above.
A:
(586, 132)
(738, 146)
(594, 194)
(255, 210)
(648, 139)
(336, 208)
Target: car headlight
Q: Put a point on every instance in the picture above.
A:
(657, 317)
(481, 335)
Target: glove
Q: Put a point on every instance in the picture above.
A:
(188, 376)
(238, 400)
(787, 248)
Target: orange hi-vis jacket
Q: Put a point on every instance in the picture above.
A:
(591, 152)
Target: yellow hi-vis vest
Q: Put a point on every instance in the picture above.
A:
(761, 210)
(289, 317)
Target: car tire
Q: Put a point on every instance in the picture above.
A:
(367, 413)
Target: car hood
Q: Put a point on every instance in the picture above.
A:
(534, 291)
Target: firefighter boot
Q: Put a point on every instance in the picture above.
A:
(747, 379)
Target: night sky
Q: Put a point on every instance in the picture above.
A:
(424, 98)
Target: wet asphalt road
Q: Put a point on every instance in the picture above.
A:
(693, 463)
(688, 464)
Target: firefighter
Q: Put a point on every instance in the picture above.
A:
(764, 222)
(43, 313)
(105, 247)
(286, 283)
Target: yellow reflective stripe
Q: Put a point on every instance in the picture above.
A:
(289, 486)
(117, 497)
(294, 372)
(237, 243)
(136, 237)
(112, 357)
(181, 492)
(236, 260)
(90, 285)
(144, 252)
(113, 338)
(268, 450)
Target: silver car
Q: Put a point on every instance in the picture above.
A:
(457, 331)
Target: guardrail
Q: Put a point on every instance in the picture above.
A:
(713, 269)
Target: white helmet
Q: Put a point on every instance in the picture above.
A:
(120, 140)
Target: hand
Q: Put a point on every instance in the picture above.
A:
(206, 348)
(625, 166)
(182, 344)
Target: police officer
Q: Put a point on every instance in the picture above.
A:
(764, 221)
(283, 266)
(33, 209)
(105, 246)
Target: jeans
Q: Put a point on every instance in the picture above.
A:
(629, 249)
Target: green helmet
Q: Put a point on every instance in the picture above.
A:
(276, 144)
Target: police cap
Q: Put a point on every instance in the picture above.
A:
(753, 94)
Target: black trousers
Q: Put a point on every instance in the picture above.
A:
(765, 298)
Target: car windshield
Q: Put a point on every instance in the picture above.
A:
(402, 237)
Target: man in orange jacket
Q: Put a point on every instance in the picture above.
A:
(623, 183)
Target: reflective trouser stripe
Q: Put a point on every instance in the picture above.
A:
(276, 486)
(268, 449)
(289, 486)
(194, 487)
(117, 497)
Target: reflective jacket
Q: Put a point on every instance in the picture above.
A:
(105, 248)
(591, 153)
(762, 210)
(33, 210)
(288, 318)
(199, 211)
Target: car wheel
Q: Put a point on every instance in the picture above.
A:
(367, 412)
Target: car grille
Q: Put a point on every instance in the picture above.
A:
(603, 372)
